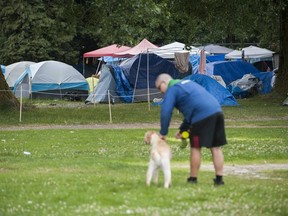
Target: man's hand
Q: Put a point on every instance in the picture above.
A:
(178, 135)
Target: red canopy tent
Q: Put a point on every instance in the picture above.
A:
(142, 47)
(106, 51)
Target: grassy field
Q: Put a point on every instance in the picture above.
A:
(102, 172)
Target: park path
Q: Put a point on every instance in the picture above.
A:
(114, 126)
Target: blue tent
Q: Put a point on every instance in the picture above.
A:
(3, 69)
(224, 97)
(138, 68)
(229, 70)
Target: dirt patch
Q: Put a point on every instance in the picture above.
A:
(247, 171)
(112, 126)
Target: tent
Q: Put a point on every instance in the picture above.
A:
(50, 79)
(168, 51)
(142, 47)
(143, 67)
(106, 51)
(13, 71)
(134, 79)
(3, 69)
(106, 83)
(251, 52)
(229, 70)
(224, 97)
(215, 49)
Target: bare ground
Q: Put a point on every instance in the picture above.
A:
(246, 171)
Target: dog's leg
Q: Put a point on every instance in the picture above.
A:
(150, 171)
(167, 173)
(155, 175)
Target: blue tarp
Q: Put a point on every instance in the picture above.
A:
(135, 71)
(266, 78)
(195, 59)
(224, 97)
(243, 87)
(123, 87)
(229, 70)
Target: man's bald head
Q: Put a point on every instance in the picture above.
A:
(162, 78)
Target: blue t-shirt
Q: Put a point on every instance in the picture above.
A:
(192, 100)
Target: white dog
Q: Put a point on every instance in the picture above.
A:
(160, 157)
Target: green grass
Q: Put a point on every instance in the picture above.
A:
(258, 111)
(102, 172)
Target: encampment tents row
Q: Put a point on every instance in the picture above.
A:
(134, 78)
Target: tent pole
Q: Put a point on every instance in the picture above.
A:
(98, 66)
(83, 66)
(148, 87)
(110, 112)
(20, 117)
(136, 78)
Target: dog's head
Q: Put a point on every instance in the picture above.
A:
(147, 137)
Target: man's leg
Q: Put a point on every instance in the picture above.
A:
(218, 161)
(195, 162)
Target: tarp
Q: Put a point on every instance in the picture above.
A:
(142, 47)
(251, 52)
(264, 84)
(13, 71)
(49, 76)
(106, 51)
(266, 78)
(92, 82)
(195, 59)
(229, 70)
(215, 49)
(224, 97)
(147, 66)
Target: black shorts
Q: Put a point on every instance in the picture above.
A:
(209, 132)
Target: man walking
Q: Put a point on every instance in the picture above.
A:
(203, 119)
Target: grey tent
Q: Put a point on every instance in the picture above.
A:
(105, 83)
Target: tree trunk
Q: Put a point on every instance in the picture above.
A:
(281, 85)
(7, 98)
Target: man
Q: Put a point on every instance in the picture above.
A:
(203, 119)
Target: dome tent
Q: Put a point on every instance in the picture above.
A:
(50, 79)
(13, 71)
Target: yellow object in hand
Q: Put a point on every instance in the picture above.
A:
(185, 134)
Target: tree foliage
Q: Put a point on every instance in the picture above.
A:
(63, 30)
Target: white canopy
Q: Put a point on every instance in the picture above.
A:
(249, 53)
(168, 51)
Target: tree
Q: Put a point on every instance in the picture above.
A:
(7, 98)
(37, 31)
(281, 85)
